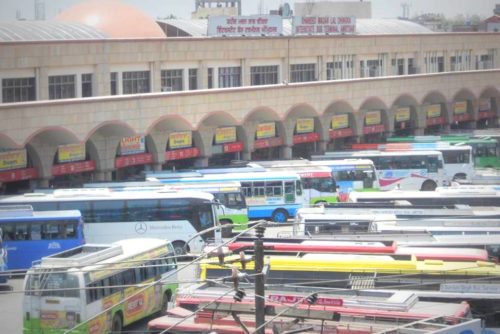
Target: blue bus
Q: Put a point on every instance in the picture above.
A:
(274, 195)
(30, 235)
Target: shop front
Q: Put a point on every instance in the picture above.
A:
(403, 125)
(305, 138)
(268, 142)
(72, 168)
(373, 129)
(462, 117)
(181, 152)
(15, 171)
(486, 117)
(341, 133)
(435, 121)
(132, 158)
(225, 147)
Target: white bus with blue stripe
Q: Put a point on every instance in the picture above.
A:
(269, 195)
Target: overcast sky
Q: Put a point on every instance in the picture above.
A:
(183, 8)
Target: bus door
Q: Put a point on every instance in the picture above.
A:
(289, 191)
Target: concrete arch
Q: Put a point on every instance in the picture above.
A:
(213, 120)
(103, 142)
(464, 93)
(373, 103)
(436, 97)
(492, 93)
(8, 143)
(262, 115)
(338, 108)
(42, 147)
(467, 95)
(405, 101)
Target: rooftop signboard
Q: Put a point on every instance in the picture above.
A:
(323, 25)
(253, 25)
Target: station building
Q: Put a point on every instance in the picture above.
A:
(104, 92)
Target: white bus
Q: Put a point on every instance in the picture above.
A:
(232, 209)
(407, 170)
(97, 288)
(275, 195)
(458, 159)
(110, 216)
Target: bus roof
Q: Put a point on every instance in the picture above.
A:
(89, 256)
(282, 175)
(12, 213)
(461, 191)
(377, 153)
(103, 195)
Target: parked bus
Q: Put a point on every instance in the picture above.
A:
(317, 181)
(275, 195)
(111, 216)
(413, 170)
(348, 175)
(4, 275)
(29, 235)
(485, 145)
(99, 288)
(232, 209)
(458, 159)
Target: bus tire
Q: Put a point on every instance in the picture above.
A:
(226, 232)
(179, 247)
(117, 324)
(429, 186)
(279, 216)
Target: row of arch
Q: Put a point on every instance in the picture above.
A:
(327, 130)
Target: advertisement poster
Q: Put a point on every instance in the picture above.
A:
(180, 140)
(71, 153)
(340, 121)
(373, 117)
(266, 130)
(253, 25)
(305, 125)
(132, 145)
(434, 110)
(225, 135)
(460, 107)
(403, 114)
(13, 159)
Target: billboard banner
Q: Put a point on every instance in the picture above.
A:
(225, 135)
(266, 130)
(323, 25)
(484, 104)
(403, 114)
(132, 145)
(13, 159)
(373, 117)
(253, 25)
(71, 153)
(340, 122)
(460, 107)
(180, 140)
(433, 111)
(304, 125)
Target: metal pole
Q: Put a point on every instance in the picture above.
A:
(260, 302)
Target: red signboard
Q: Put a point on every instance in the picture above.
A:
(73, 168)
(268, 142)
(377, 128)
(306, 138)
(309, 175)
(18, 175)
(291, 299)
(486, 114)
(133, 160)
(184, 153)
(233, 147)
(341, 133)
(461, 117)
(435, 120)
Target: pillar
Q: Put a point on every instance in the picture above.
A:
(286, 152)
(201, 162)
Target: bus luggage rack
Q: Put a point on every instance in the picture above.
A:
(362, 281)
(81, 256)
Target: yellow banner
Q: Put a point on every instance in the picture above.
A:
(373, 117)
(340, 121)
(13, 160)
(460, 107)
(266, 130)
(403, 114)
(180, 139)
(71, 152)
(225, 135)
(305, 125)
(434, 110)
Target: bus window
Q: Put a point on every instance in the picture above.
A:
(258, 189)
(109, 211)
(298, 188)
(246, 188)
(141, 210)
(274, 188)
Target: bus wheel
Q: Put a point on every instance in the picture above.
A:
(429, 186)
(279, 216)
(117, 324)
(179, 248)
(228, 231)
